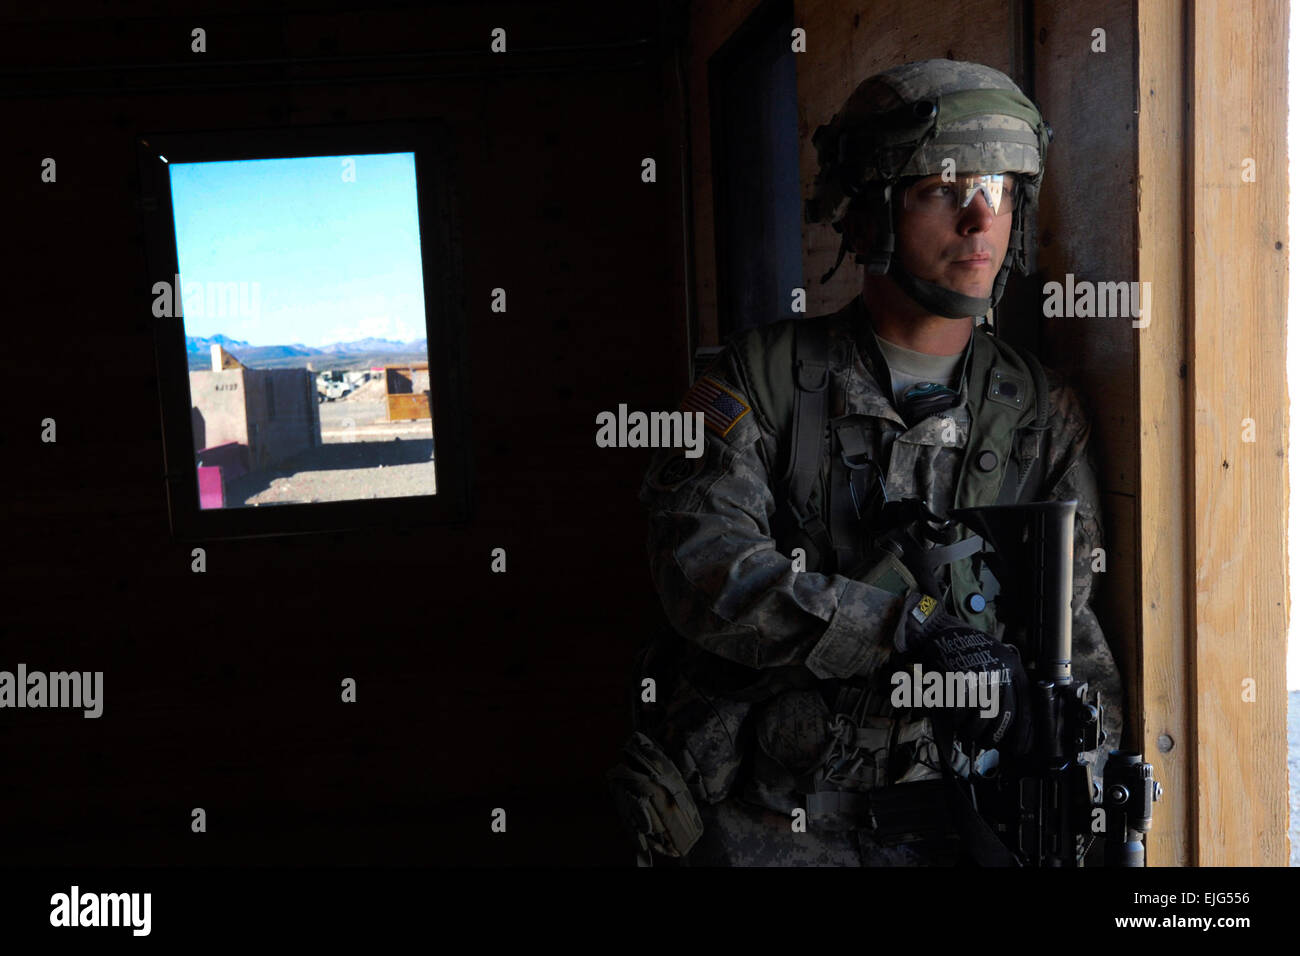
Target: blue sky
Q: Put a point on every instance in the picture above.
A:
(336, 260)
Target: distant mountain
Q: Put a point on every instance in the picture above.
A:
(253, 354)
(371, 345)
(195, 344)
(360, 353)
(200, 345)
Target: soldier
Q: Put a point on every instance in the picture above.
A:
(765, 551)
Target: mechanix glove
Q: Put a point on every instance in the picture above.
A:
(944, 645)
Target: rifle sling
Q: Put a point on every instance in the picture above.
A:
(811, 411)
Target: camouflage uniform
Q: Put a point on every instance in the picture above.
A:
(729, 588)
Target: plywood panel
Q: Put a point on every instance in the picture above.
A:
(1237, 367)
(1086, 221)
(1113, 603)
(1084, 83)
(404, 407)
(1164, 507)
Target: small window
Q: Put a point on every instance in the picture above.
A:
(268, 250)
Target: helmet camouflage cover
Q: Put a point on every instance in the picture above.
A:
(885, 131)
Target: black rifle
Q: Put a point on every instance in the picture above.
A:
(1043, 805)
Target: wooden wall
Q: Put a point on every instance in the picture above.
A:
(1087, 228)
(1236, 294)
(1165, 442)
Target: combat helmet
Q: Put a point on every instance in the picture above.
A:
(905, 122)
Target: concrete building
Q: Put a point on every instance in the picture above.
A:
(273, 413)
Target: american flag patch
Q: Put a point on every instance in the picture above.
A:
(722, 408)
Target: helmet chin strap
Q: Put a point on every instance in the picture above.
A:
(935, 298)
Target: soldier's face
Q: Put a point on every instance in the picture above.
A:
(962, 252)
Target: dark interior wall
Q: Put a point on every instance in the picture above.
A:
(1086, 89)
(222, 689)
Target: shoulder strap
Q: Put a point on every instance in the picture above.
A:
(1024, 481)
(811, 412)
(1040, 387)
(785, 369)
(811, 401)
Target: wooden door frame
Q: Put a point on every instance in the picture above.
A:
(1212, 416)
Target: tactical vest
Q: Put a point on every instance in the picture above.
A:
(1007, 396)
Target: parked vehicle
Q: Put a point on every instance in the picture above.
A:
(332, 385)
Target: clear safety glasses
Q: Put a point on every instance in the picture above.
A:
(932, 196)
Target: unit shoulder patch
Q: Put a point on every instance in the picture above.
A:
(676, 470)
(722, 407)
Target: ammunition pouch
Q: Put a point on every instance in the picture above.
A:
(653, 800)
